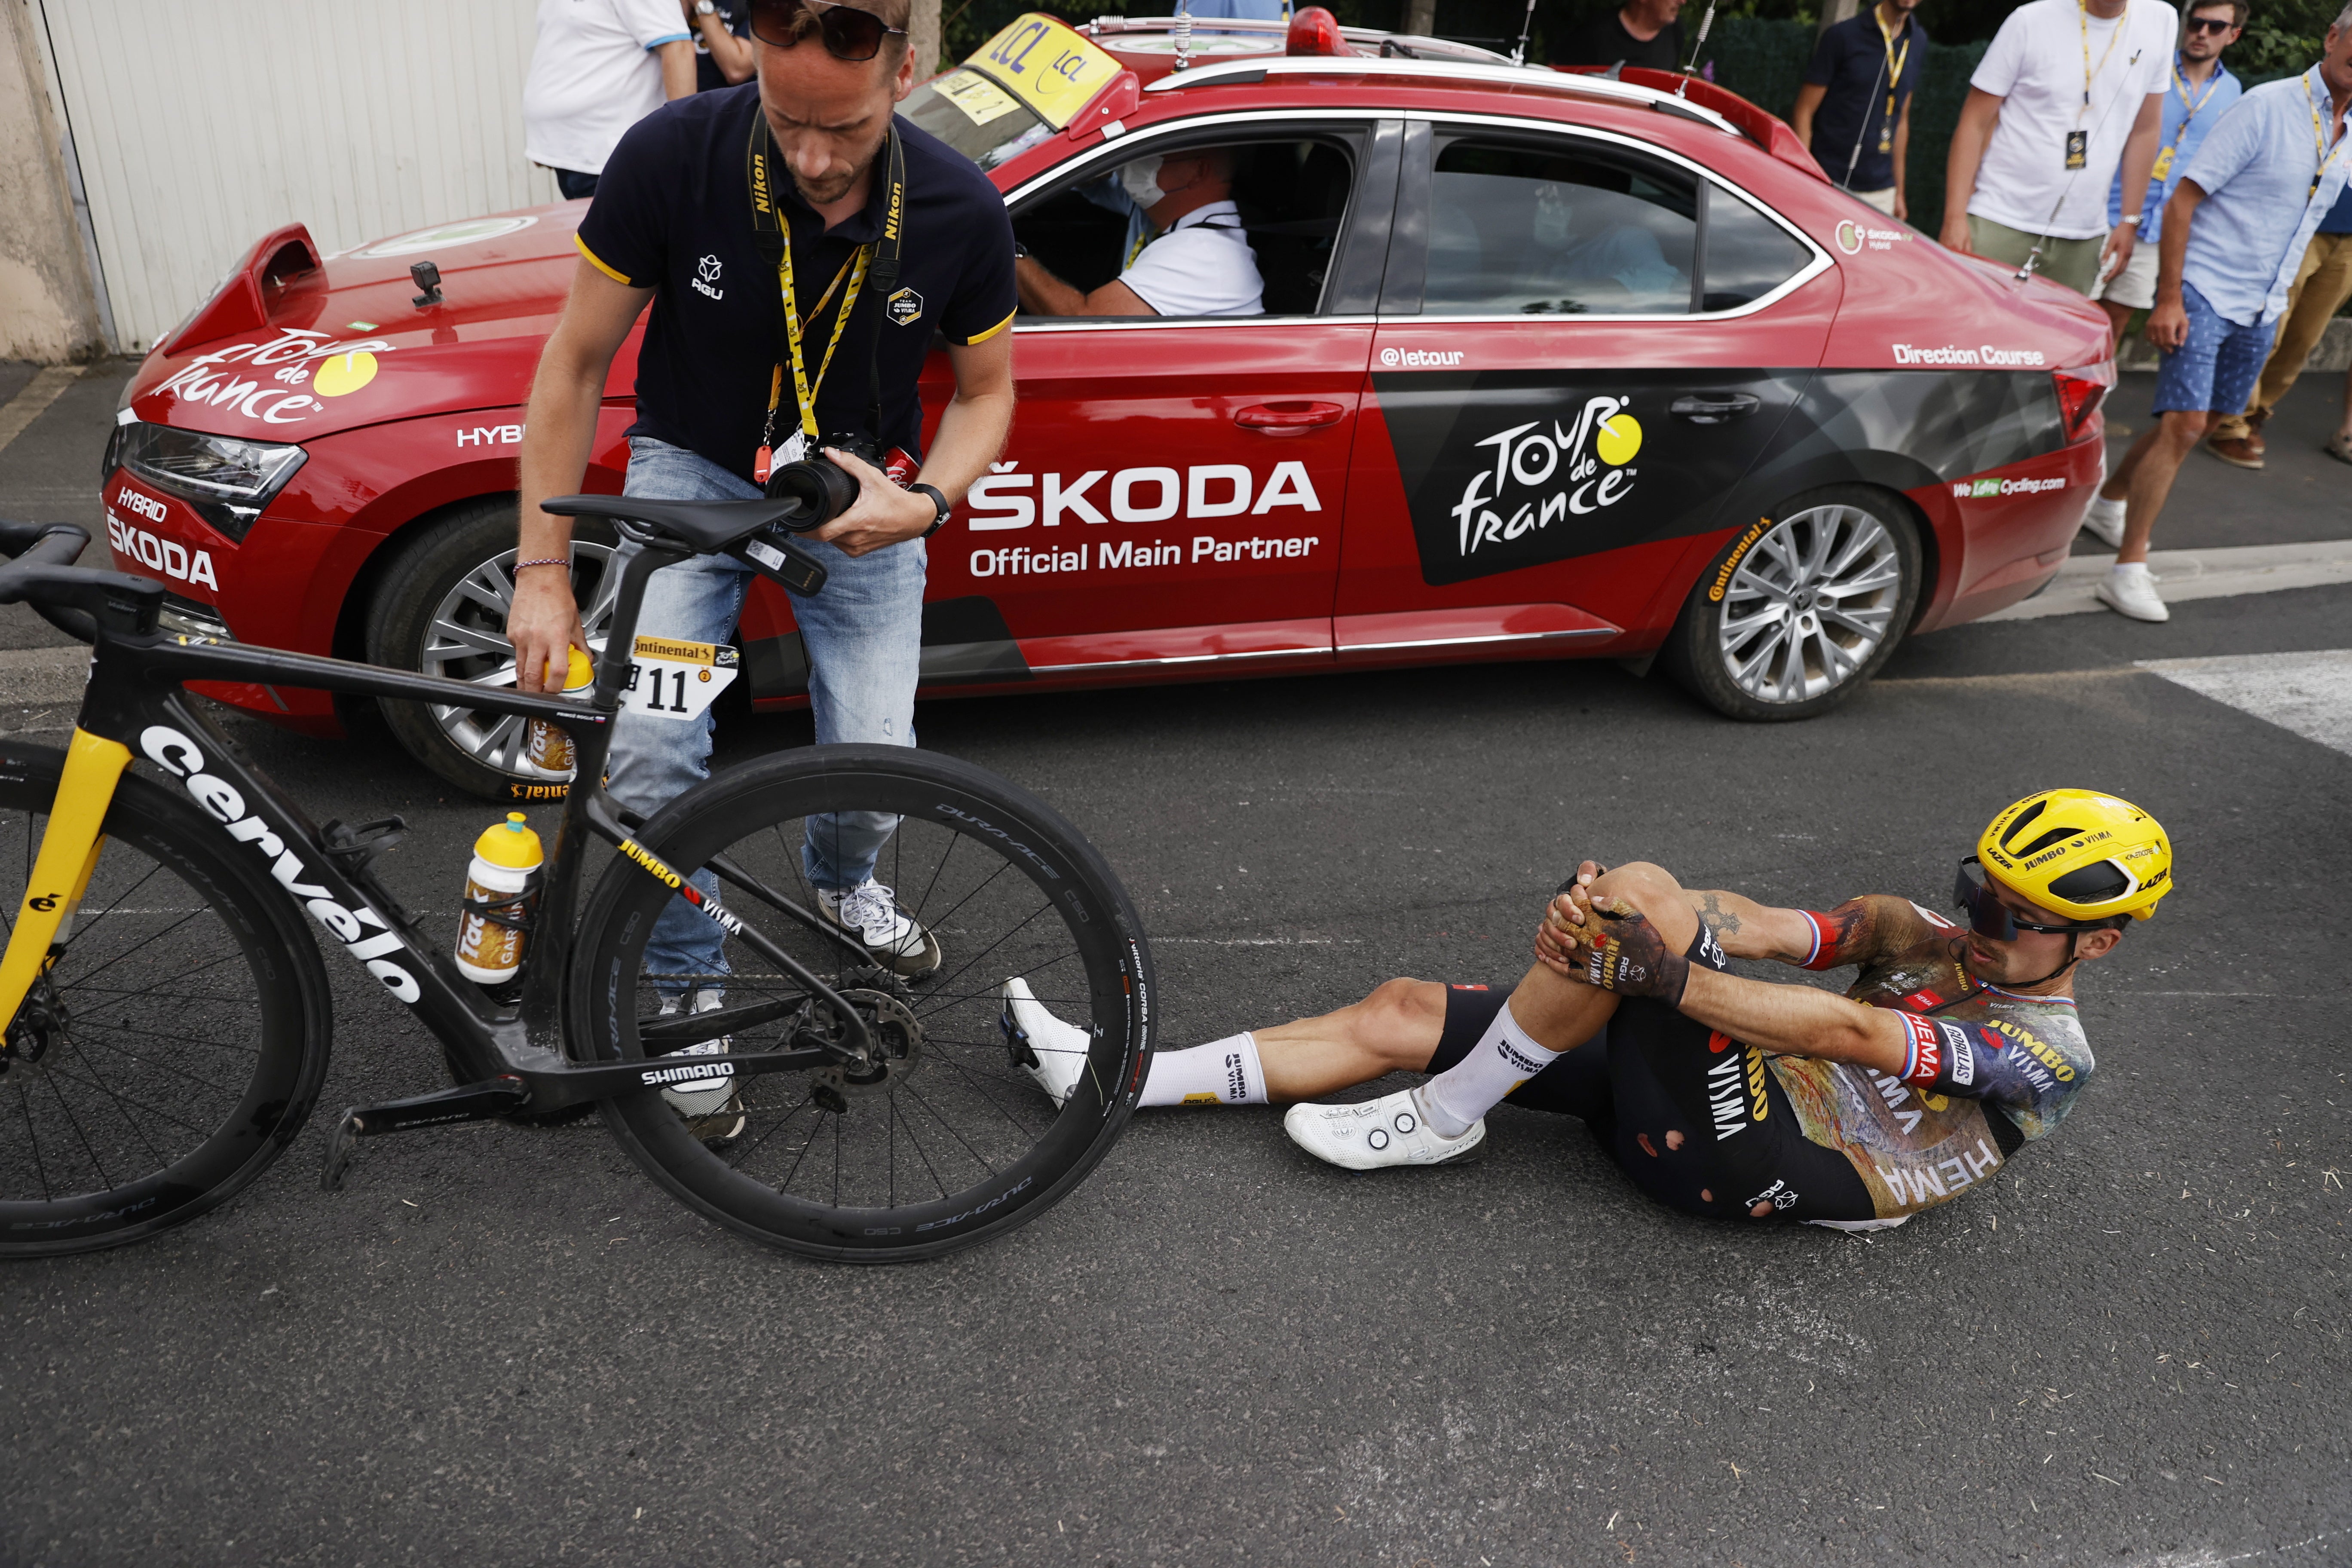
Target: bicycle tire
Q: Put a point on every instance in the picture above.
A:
(944, 806)
(98, 1097)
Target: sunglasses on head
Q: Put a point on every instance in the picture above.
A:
(850, 33)
(1988, 916)
(2209, 25)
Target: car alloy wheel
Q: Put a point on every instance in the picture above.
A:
(1809, 604)
(466, 640)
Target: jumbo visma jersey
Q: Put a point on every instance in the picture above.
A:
(2026, 1061)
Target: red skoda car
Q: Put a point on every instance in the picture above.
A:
(1549, 364)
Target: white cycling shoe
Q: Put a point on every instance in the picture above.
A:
(1050, 1051)
(1378, 1133)
(713, 1114)
(898, 942)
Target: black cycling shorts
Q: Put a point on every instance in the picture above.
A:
(1693, 1116)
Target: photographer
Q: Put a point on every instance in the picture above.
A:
(757, 357)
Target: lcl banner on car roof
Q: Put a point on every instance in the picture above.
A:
(1040, 61)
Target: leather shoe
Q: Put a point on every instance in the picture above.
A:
(2245, 453)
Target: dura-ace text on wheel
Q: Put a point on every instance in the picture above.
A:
(177, 1040)
(942, 1141)
(1801, 609)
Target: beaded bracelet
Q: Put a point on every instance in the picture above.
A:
(544, 561)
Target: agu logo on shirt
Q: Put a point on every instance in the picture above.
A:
(706, 277)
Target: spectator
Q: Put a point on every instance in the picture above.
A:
(722, 43)
(598, 67)
(2203, 91)
(2234, 235)
(2068, 90)
(2322, 285)
(1854, 108)
(1645, 33)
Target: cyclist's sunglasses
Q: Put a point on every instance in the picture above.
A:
(2209, 25)
(1988, 916)
(850, 33)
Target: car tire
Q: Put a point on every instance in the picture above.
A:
(440, 609)
(1799, 610)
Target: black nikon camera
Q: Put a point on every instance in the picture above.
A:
(824, 487)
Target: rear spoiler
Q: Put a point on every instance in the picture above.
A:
(1766, 130)
(241, 304)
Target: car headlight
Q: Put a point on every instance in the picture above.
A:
(225, 480)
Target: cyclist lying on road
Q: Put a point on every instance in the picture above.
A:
(1722, 1096)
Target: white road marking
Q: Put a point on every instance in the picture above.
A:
(2185, 574)
(2309, 694)
(34, 395)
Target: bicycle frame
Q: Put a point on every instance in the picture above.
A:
(507, 1057)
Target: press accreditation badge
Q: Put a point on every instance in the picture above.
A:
(2078, 149)
(2163, 164)
(796, 447)
(677, 680)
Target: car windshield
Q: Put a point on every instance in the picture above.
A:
(975, 117)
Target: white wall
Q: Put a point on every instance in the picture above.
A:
(200, 125)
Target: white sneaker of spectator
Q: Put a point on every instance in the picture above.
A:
(2130, 590)
(2103, 521)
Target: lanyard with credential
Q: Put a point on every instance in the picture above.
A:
(2322, 151)
(772, 231)
(2181, 85)
(1895, 63)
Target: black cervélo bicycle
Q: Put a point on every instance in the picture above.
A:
(169, 1014)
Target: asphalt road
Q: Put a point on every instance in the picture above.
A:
(503, 1345)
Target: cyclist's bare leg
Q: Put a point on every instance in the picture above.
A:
(1395, 1028)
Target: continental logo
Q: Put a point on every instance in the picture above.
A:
(1715, 589)
(680, 652)
(538, 791)
(651, 862)
(2049, 1057)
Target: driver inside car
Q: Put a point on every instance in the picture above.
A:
(1186, 252)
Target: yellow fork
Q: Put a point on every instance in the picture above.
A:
(61, 871)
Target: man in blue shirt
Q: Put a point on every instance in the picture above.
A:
(2321, 289)
(1854, 108)
(2203, 89)
(2234, 235)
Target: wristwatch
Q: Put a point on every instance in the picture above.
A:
(705, 8)
(2131, 220)
(1020, 251)
(940, 505)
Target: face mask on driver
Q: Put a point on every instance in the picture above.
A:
(1140, 180)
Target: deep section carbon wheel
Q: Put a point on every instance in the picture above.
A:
(1800, 610)
(944, 1138)
(174, 1048)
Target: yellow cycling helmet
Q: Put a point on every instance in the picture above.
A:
(2088, 856)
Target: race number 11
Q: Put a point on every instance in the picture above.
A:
(676, 680)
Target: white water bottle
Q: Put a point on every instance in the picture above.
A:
(501, 887)
(547, 751)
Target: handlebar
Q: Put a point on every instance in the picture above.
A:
(74, 599)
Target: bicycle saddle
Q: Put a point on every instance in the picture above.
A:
(705, 526)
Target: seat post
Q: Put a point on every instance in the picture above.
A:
(641, 559)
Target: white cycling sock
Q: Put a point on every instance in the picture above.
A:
(1504, 1058)
(1222, 1073)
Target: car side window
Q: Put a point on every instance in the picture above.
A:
(1290, 195)
(1747, 254)
(1522, 229)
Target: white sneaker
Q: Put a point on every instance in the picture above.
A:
(896, 941)
(713, 1113)
(1043, 1046)
(2131, 593)
(2104, 521)
(1377, 1133)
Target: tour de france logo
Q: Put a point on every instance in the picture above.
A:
(1539, 476)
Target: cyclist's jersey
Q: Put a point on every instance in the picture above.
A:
(2007, 1068)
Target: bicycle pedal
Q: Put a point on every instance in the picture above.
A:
(482, 1101)
(352, 847)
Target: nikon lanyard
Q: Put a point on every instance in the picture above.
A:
(2078, 141)
(1895, 63)
(2325, 153)
(772, 233)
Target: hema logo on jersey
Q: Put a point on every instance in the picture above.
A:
(361, 930)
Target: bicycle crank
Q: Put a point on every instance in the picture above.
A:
(483, 1101)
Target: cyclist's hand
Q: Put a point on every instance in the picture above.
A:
(881, 516)
(1617, 949)
(544, 623)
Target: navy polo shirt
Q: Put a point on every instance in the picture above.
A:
(673, 214)
(1850, 59)
(735, 16)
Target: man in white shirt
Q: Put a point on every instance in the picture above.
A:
(2068, 91)
(597, 69)
(1188, 257)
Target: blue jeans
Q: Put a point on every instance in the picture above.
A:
(864, 635)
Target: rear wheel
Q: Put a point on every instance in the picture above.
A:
(948, 1140)
(173, 1050)
(1800, 610)
(441, 610)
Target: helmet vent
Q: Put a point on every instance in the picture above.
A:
(2055, 836)
(2092, 884)
(2024, 819)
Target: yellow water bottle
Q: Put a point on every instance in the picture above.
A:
(501, 887)
(547, 751)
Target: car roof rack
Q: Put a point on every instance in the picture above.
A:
(1256, 67)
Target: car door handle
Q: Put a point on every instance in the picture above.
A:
(1289, 418)
(1714, 407)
